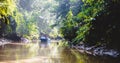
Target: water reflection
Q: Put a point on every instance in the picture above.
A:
(32, 53)
(43, 44)
(73, 56)
(16, 52)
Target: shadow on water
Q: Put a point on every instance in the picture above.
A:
(73, 56)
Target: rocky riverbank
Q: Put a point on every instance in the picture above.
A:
(97, 51)
(4, 41)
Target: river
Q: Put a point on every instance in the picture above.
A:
(33, 53)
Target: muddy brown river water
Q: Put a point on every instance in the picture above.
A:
(34, 53)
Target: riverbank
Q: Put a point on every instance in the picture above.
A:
(4, 41)
(97, 51)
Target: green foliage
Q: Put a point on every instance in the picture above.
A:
(97, 23)
(7, 8)
(38, 12)
(27, 27)
(65, 5)
(68, 29)
(12, 21)
(105, 27)
(90, 10)
(63, 8)
(76, 29)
